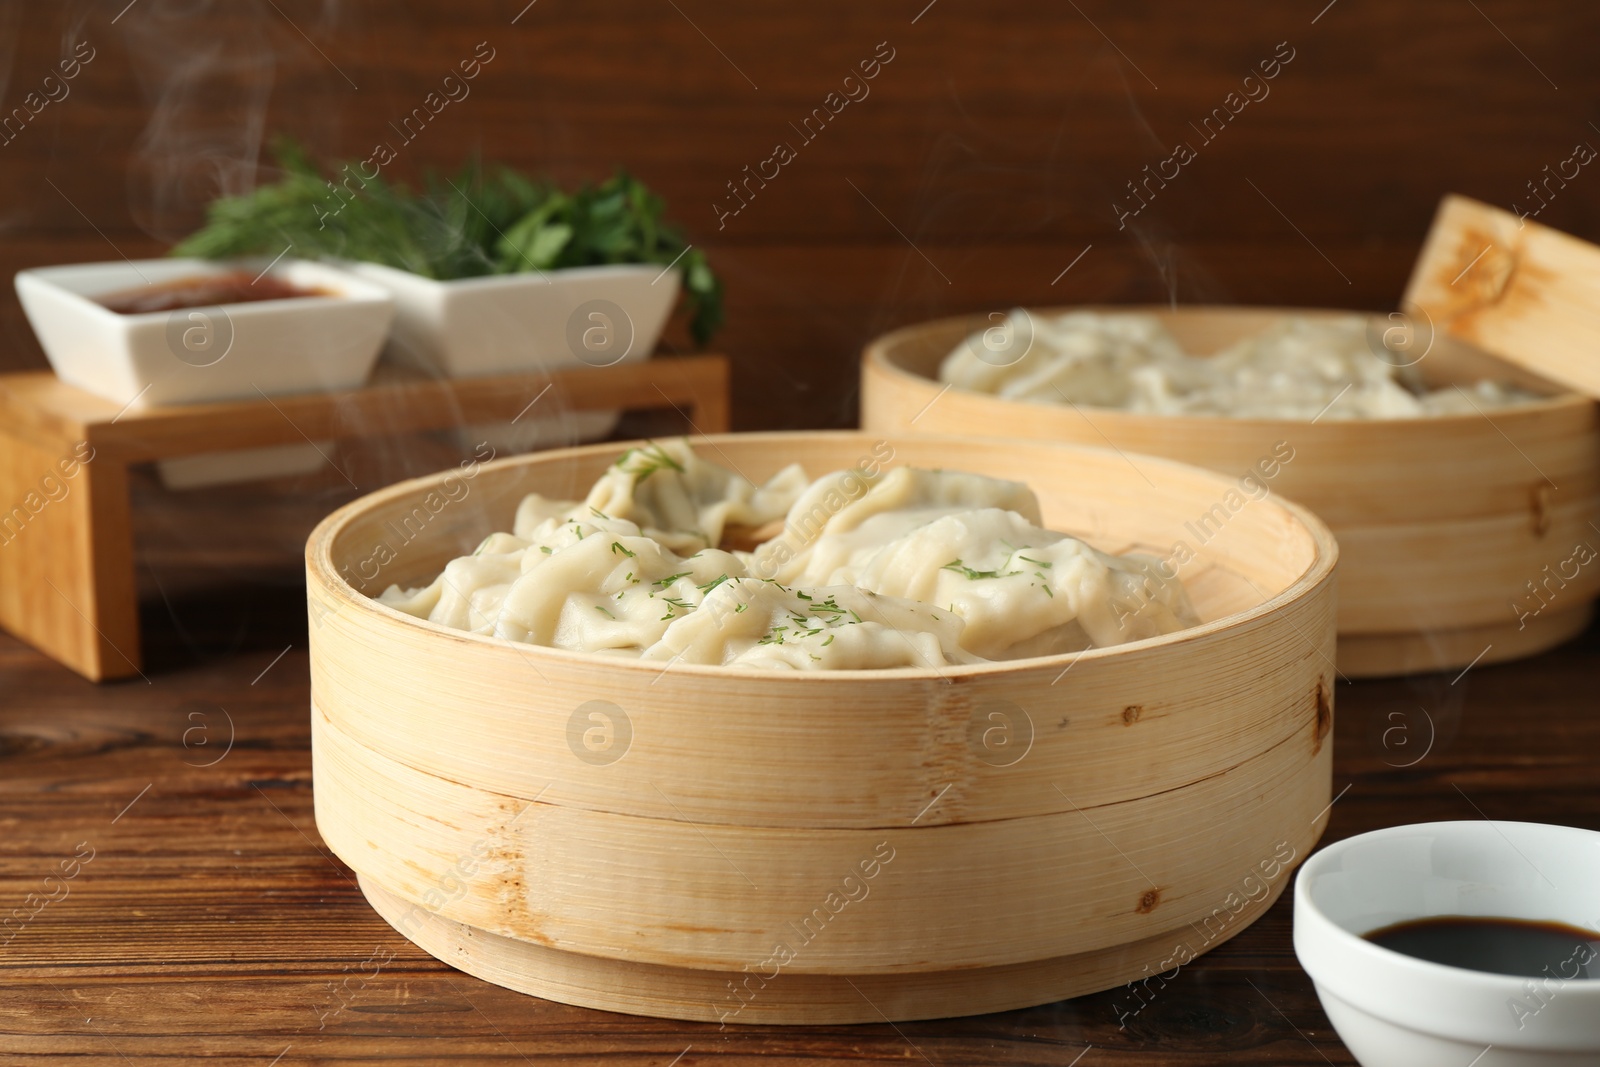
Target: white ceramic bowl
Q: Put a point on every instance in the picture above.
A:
(194, 355)
(506, 323)
(529, 322)
(1394, 1010)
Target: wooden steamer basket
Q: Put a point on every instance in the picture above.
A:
(826, 847)
(1446, 524)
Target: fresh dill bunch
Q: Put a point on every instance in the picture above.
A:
(483, 221)
(270, 216)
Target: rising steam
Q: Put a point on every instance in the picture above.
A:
(207, 71)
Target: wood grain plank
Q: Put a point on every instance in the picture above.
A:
(996, 139)
(212, 920)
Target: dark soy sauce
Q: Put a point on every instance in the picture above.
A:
(1500, 946)
(203, 290)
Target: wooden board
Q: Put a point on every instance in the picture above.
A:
(213, 925)
(1514, 287)
(1444, 521)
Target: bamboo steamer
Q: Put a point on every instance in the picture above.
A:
(1446, 524)
(826, 847)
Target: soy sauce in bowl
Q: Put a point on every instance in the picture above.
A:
(1517, 947)
(203, 290)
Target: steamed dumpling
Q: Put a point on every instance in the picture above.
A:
(468, 593)
(686, 502)
(1082, 356)
(755, 623)
(1022, 590)
(610, 594)
(597, 586)
(1297, 369)
(844, 515)
(913, 568)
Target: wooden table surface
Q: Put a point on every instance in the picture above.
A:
(206, 919)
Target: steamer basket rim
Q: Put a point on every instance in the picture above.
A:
(324, 575)
(877, 355)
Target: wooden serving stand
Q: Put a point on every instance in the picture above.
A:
(66, 541)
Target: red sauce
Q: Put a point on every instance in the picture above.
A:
(204, 290)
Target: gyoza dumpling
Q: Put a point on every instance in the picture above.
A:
(1296, 368)
(1470, 400)
(1083, 356)
(535, 511)
(684, 501)
(756, 623)
(914, 568)
(468, 592)
(556, 533)
(609, 593)
(1022, 590)
(593, 585)
(844, 515)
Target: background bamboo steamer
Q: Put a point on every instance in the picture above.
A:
(1033, 830)
(1445, 524)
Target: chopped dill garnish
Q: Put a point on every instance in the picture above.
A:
(598, 513)
(546, 549)
(802, 595)
(740, 608)
(669, 579)
(712, 584)
(617, 546)
(962, 569)
(602, 610)
(1037, 562)
(652, 458)
(828, 642)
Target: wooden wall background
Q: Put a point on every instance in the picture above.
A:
(994, 142)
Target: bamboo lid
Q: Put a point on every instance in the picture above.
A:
(1512, 287)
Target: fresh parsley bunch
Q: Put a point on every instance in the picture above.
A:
(481, 222)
